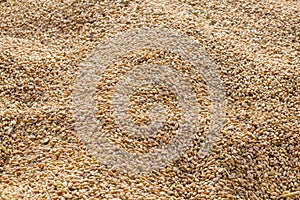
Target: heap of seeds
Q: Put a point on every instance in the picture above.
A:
(144, 97)
(255, 46)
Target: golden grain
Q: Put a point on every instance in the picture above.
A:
(255, 46)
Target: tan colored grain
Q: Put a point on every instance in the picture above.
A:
(255, 46)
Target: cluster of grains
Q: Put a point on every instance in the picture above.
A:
(144, 98)
(117, 85)
(255, 46)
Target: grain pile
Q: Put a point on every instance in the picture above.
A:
(255, 46)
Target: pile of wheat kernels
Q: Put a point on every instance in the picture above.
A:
(255, 46)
